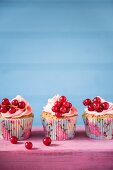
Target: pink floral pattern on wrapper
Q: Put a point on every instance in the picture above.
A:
(94, 129)
(27, 133)
(59, 129)
(5, 133)
(45, 130)
(109, 120)
(16, 127)
(99, 128)
(60, 133)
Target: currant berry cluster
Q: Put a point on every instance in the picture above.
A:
(61, 106)
(96, 104)
(12, 106)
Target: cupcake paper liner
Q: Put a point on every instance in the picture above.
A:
(98, 128)
(59, 129)
(21, 128)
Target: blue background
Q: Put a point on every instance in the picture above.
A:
(60, 46)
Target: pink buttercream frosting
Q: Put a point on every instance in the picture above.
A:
(50, 104)
(108, 111)
(20, 112)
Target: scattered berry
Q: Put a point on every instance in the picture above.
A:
(13, 139)
(63, 109)
(3, 109)
(87, 102)
(12, 110)
(54, 108)
(5, 101)
(47, 141)
(58, 114)
(14, 102)
(105, 105)
(21, 105)
(28, 145)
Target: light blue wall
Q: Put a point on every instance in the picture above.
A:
(49, 47)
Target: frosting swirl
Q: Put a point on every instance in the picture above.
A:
(50, 104)
(108, 111)
(20, 112)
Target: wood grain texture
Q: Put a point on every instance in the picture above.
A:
(81, 153)
(78, 161)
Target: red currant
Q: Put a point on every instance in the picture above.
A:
(57, 104)
(97, 99)
(62, 99)
(63, 109)
(5, 101)
(47, 141)
(14, 102)
(13, 139)
(96, 105)
(66, 104)
(7, 107)
(70, 105)
(58, 114)
(3, 109)
(28, 145)
(100, 109)
(21, 105)
(86, 102)
(105, 105)
(91, 107)
(12, 110)
(54, 108)
(67, 110)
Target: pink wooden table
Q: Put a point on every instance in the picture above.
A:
(80, 153)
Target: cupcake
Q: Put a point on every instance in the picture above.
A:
(16, 118)
(98, 118)
(59, 118)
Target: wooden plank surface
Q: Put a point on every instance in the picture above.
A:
(80, 153)
(42, 40)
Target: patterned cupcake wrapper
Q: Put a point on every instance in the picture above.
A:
(21, 128)
(59, 129)
(97, 128)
